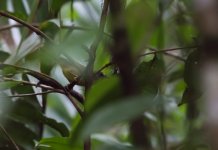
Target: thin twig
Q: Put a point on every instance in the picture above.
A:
(154, 51)
(8, 27)
(174, 56)
(9, 137)
(94, 46)
(34, 84)
(75, 94)
(74, 103)
(74, 27)
(32, 28)
(105, 66)
(29, 94)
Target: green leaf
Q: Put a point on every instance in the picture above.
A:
(20, 109)
(140, 17)
(176, 75)
(3, 56)
(123, 110)
(148, 76)
(20, 10)
(107, 142)
(29, 45)
(43, 78)
(60, 127)
(192, 70)
(55, 5)
(109, 89)
(21, 134)
(49, 28)
(4, 85)
(55, 143)
(190, 96)
(56, 103)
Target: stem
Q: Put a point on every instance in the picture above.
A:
(68, 94)
(162, 130)
(29, 94)
(82, 114)
(32, 28)
(44, 106)
(8, 27)
(9, 137)
(94, 46)
(105, 66)
(165, 50)
(35, 84)
(87, 144)
(154, 52)
(92, 54)
(121, 54)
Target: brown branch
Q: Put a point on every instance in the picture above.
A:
(65, 92)
(9, 137)
(29, 26)
(8, 27)
(75, 94)
(35, 84)
(121, 54)
(74, 103)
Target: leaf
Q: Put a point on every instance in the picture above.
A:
(3, 56)
(110, 91)
(123, 110)
(176, 75)
(140, 17)
(8, 70)
(55, 5)
(60, 127)
(56, 143)
(43, 78)
(4, 85)
(29, 45)
(21, 134)
(148, 76)
(192, 70)
(20, 10)
(190, 96)
(49, 28)
(20, 109)
(106, 142)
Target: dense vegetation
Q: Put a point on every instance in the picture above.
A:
(100, 75)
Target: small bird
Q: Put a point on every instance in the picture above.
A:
(72, 70)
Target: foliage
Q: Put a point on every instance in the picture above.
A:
(117, 74)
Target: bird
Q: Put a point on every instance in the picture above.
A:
(71, 69)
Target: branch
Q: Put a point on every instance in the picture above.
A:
(105, 66)
(75, 94)
(165, 50)
(154, 51)
(35, 84)
(29, 94)
(8, 27)
(94, 46)
(29, 26)
(9, 137)
(74, 103)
